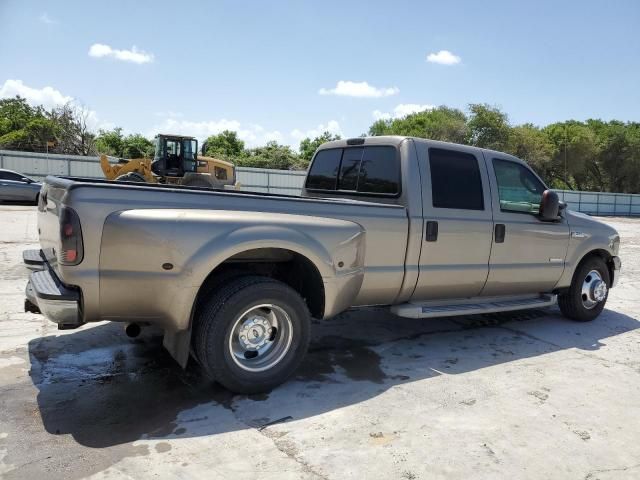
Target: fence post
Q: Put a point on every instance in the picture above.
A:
(68, 167)
(580, 201)
(268, 182)
(598, 203)
(1, 160)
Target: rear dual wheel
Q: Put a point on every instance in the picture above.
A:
(251, 334)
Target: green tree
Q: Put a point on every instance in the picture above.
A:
(442, 123)
(15, 113)
(23, 127)
(225, 143)
(531, 144)
(110, 142)
(113, 142)
(308, 147)
(137, 146)
(488, 127)
(272, 155)
(574, 162)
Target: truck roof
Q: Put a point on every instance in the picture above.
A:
(398, 139)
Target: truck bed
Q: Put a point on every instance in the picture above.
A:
(95, 201)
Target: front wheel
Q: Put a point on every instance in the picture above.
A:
(587, 295)
(251, 334)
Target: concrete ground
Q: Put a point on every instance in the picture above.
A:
(526, 395)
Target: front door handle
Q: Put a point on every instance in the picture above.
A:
(431, 234)
(499, 232)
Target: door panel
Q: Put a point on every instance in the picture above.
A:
(10, 189)
(531, 257)
(456, 242)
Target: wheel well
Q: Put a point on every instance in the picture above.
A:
(604, 255)
(284, 265)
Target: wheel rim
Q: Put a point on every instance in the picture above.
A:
(260, 337)
(594, 289)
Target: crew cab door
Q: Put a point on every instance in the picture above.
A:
(528, 254)
(458, 226)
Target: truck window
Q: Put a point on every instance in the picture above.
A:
(350, 168)
(364, 170)
(324, 170)
(519, 189)
(455, 180)
(380, 171)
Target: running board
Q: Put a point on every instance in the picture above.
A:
(472, 306)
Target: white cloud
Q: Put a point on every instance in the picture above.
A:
(401, 110)
(443, 57)
(46, 96)
(347, 88)
(99, 50)
(332, 126)
(253, 135)
(46, 19)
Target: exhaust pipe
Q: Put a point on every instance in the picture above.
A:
(132, 329)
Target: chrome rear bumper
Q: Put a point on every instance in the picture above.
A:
(55, 300)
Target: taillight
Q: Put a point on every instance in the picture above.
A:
(71, 251)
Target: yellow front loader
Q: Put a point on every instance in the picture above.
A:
(175, 161)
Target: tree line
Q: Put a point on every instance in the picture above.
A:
(592, 155)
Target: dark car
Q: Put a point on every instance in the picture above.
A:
(15, 187)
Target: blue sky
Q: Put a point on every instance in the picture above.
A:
(271, 70)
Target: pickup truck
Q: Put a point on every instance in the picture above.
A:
(427, 228)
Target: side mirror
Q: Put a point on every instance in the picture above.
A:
(26, 180)
(549, 206)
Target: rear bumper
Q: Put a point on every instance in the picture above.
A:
(616, 266)
(33, 259)
(55, 300)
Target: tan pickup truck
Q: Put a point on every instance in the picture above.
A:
(429, 229)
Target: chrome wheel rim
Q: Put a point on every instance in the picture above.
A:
(260, 337)
(594, 289)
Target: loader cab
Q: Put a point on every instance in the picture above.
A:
(174, 155)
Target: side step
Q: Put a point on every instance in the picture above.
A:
(472, 306)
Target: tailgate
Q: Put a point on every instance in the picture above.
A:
(49, 206)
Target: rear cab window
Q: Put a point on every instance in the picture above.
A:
(370, 170)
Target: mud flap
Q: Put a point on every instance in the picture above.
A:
(178, 345)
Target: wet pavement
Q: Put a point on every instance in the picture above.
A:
(523, 395)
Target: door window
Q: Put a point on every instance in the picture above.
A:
(455, 180)
(519, 189)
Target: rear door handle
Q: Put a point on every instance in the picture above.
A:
(431, 234)
(499, 232)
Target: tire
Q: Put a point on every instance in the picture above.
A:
(250, 305)
(131, 177)
(579, 302)
(195, 181)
